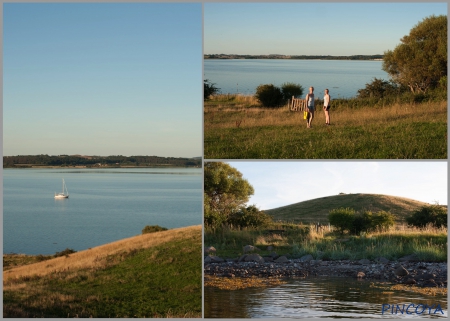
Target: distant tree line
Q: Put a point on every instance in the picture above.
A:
(93, 161)
(328, 57)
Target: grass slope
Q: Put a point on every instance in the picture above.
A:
(151, 275)
(239, 130)
(317, 210)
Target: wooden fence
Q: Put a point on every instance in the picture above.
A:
(297, 104)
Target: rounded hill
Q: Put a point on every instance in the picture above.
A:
(316, 210)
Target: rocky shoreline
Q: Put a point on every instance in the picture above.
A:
(407, 270)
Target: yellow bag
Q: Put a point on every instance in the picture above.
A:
(305, 115)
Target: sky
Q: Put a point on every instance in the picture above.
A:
(311, 28)
(282, 183)
(102, 79)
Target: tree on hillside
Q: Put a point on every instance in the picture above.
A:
(420, 61)
(435, 215)
(226, 192)
(249, 216)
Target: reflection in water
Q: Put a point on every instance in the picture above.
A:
(313, 298)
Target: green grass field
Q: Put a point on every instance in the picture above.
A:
(160, 281)
(236, 129)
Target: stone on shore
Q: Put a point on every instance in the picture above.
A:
(250, 248)
(282, 259)
(214, 259)
(382, 260)
(409, 258)
(364, 261)
(306, 258)
(401, 271)
(254, 258)
(210, 249)
(360, 275)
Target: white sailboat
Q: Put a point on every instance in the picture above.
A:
(65, 192)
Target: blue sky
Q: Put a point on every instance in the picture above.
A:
(102, 79)
(311, 28)
(283, 183)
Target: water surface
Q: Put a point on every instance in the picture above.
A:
(104, 205)
(314, 298)
(342, 77)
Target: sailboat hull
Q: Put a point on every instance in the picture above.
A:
(61, 196)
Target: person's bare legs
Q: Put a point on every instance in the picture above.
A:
(311, 117)
(327, 116)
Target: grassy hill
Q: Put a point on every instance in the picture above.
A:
(150, 275)
(317, 210)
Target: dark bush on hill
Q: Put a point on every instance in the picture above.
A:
(269, 95)
(290, 89)
(368, 221)
(348, 220)
(342, 218)
(209, 89)
(249, 217)
(153, 229)
(379, 88)
(65, 252)
(432, 214)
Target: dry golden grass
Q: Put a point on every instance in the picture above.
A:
(403, 229)
(97, 257)
(241, 283)
(224, 116)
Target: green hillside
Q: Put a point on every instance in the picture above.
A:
(317, 210)
(153, 275)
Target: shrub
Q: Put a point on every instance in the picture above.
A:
(346, 219)
(290, 89)
(429, 214)
(65, 252)
(153, 229)
(209, 89)
(342, 218)
(378, 88)
(368, 221)
(382, 220)
(249, 217)
(269, 95)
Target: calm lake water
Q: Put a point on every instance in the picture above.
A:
(104, 205)
(315, 298)
(342, 77)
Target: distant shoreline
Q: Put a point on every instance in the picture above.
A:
(295, 57)
(93, 167)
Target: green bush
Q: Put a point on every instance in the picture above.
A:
(342, 218)
(347, 219)
(378, 88)
(368, 221)
(429, 214)
(269, 95)
(249, 217)
(209, 89)
(382, 220)
(153, 229)
(290, 89)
